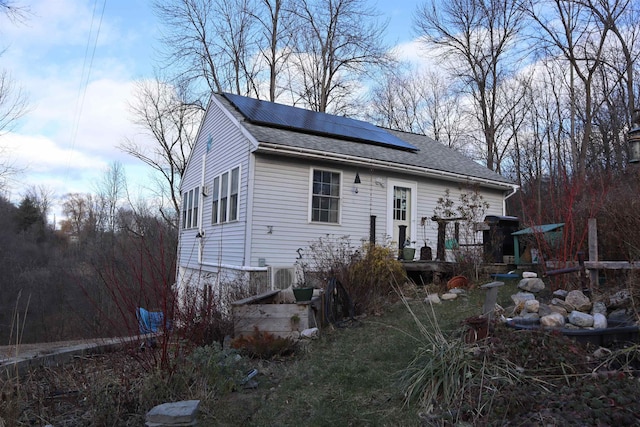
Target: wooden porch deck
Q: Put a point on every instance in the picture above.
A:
(438, 272)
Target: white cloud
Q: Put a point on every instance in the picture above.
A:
(78, 101)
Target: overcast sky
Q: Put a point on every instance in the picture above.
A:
(78, 72)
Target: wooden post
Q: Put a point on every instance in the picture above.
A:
(593, 252)
(440, 252)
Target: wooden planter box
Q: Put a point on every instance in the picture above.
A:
(282, 320)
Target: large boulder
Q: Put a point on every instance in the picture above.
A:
(553, 320)
(557, 302)
(521, 297)
(581, 319)
(531, 285)
(560, 310)
(579, 301)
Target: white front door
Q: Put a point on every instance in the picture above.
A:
(401, 213)
(402, 210)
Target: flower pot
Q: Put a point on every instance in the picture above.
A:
(460, 282)
(303, 294)
(408, 254)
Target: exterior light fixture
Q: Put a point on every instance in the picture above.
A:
(357, 180)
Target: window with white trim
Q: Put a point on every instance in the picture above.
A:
(225, 204)
(325, 197)
(190, 202)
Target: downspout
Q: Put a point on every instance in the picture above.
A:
(200, 235)
(514, 190)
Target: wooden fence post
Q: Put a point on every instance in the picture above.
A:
(593, 252)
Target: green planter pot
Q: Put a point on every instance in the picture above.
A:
(408, 254)
(303, 294)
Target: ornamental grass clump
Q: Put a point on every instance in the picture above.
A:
(451, 378)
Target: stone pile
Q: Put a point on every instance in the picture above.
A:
(566, 309)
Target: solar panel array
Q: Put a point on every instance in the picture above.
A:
(287, 117)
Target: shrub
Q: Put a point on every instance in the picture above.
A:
(372, 278)
(263, 345)
(367, 273)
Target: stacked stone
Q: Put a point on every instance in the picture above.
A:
(570, 310)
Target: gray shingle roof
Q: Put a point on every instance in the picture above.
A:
(431, 155)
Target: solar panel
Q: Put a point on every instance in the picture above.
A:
(287, 117)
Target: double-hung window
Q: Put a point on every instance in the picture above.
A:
(325, 197)
(225, 204)
(190, 202)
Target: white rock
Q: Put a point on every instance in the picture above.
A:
(599, 321)
(521, 297)
(581, 319)
(532, 305)
(449, 296)
(553, 320)
(310, 333)
(529, 275)
(181, 413)
(433, 299)
(457, 291)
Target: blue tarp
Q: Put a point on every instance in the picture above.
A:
(149, 321)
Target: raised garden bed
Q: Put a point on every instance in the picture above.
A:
(267, 314)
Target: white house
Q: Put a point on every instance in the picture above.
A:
(266, 179)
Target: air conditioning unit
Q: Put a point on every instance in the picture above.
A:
(282, 277)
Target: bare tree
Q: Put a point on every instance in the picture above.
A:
(569, 30)
(13, 10)
(111, 191)
(339, 43)
(172, 123)
(419, 102)
(277, 25)
(13, 102)
(84, 215)
(478, 38)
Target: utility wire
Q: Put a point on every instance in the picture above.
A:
(87, 65)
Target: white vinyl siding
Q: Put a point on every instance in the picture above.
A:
(229, 149)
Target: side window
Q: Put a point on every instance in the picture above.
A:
(190, 202)
(233, 194)
(216, 201)
(226, 200)
(325, 196)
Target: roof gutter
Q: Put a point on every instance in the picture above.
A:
(266, 147)
(514, 190)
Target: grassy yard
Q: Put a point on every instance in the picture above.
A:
(350, 376)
